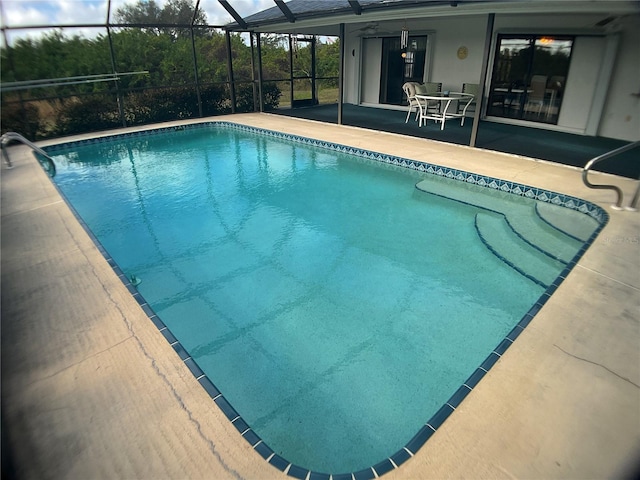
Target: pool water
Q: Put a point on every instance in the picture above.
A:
(335, 305)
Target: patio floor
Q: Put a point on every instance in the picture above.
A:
(91, 389)
(559, 147)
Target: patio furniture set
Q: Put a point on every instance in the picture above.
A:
(431, 103)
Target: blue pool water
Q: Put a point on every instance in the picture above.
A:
(334, 305)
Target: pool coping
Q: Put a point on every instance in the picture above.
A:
(425, 432)
(420, 459)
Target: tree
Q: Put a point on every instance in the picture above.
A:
(56, 56)
(175, 12)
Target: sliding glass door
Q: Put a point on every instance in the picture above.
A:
(529, 77)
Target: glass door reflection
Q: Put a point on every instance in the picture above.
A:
(529, 77)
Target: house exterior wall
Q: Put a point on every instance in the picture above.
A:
(449, 35)
(621, 115)
(370, 68)
(582, 83)
(603, 76)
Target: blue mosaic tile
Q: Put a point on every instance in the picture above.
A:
(169, 336)
(457, 398)
(366, 474)
(383, 467)
(148, 310)
(264, 451)
(400, 457)
(251, 437)
(139, 298)
(475, 378)
(240, 425)
(503, 346)
(419, 439)
(535, 308)
(279, 462)
(180, 350)
(157, 322)
(226, 408)
(209, 387)
(513, 334)
(545, 296)
(490, 361)
(321, 476)
(554, 286)
(525, 321)
(541, 301)
(440, 416)
(193, 367)
(298, 472)
(342, 476)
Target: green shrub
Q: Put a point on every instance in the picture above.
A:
(271, 94)
(161, 105)
(87, 114)
(100, 111)
(23, 119)
(215, 100)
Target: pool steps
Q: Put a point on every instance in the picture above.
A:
(504, 243)
(535, 239)
(580, 227)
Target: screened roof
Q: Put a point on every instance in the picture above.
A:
(253, 14)
(294, 10)
(298, 14)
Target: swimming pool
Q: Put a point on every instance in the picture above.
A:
(271, 246)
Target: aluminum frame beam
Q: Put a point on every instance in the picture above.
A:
(285, 10)
(236, 16)
(355, 6)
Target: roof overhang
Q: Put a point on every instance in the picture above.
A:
(326, 22)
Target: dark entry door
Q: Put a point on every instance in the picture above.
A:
(401, 65)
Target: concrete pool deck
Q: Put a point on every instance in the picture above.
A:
(91, 389)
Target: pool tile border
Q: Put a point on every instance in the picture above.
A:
(505, 186)
(431, 426)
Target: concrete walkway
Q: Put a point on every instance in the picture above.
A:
(91, 389)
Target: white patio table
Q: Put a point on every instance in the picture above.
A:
(443, 112)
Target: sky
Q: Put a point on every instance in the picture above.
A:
(70, 12)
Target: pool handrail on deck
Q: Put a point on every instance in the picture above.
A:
(612, 153)
(7, 137)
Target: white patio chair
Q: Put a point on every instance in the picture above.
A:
(471, 88)
(429, 88)
(409, 89)
(537, 92)
(413, 88)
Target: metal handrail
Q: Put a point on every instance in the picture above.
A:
(612, 153)
(7, 137)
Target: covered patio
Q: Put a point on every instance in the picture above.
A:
(453, 43)
(559, 147)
